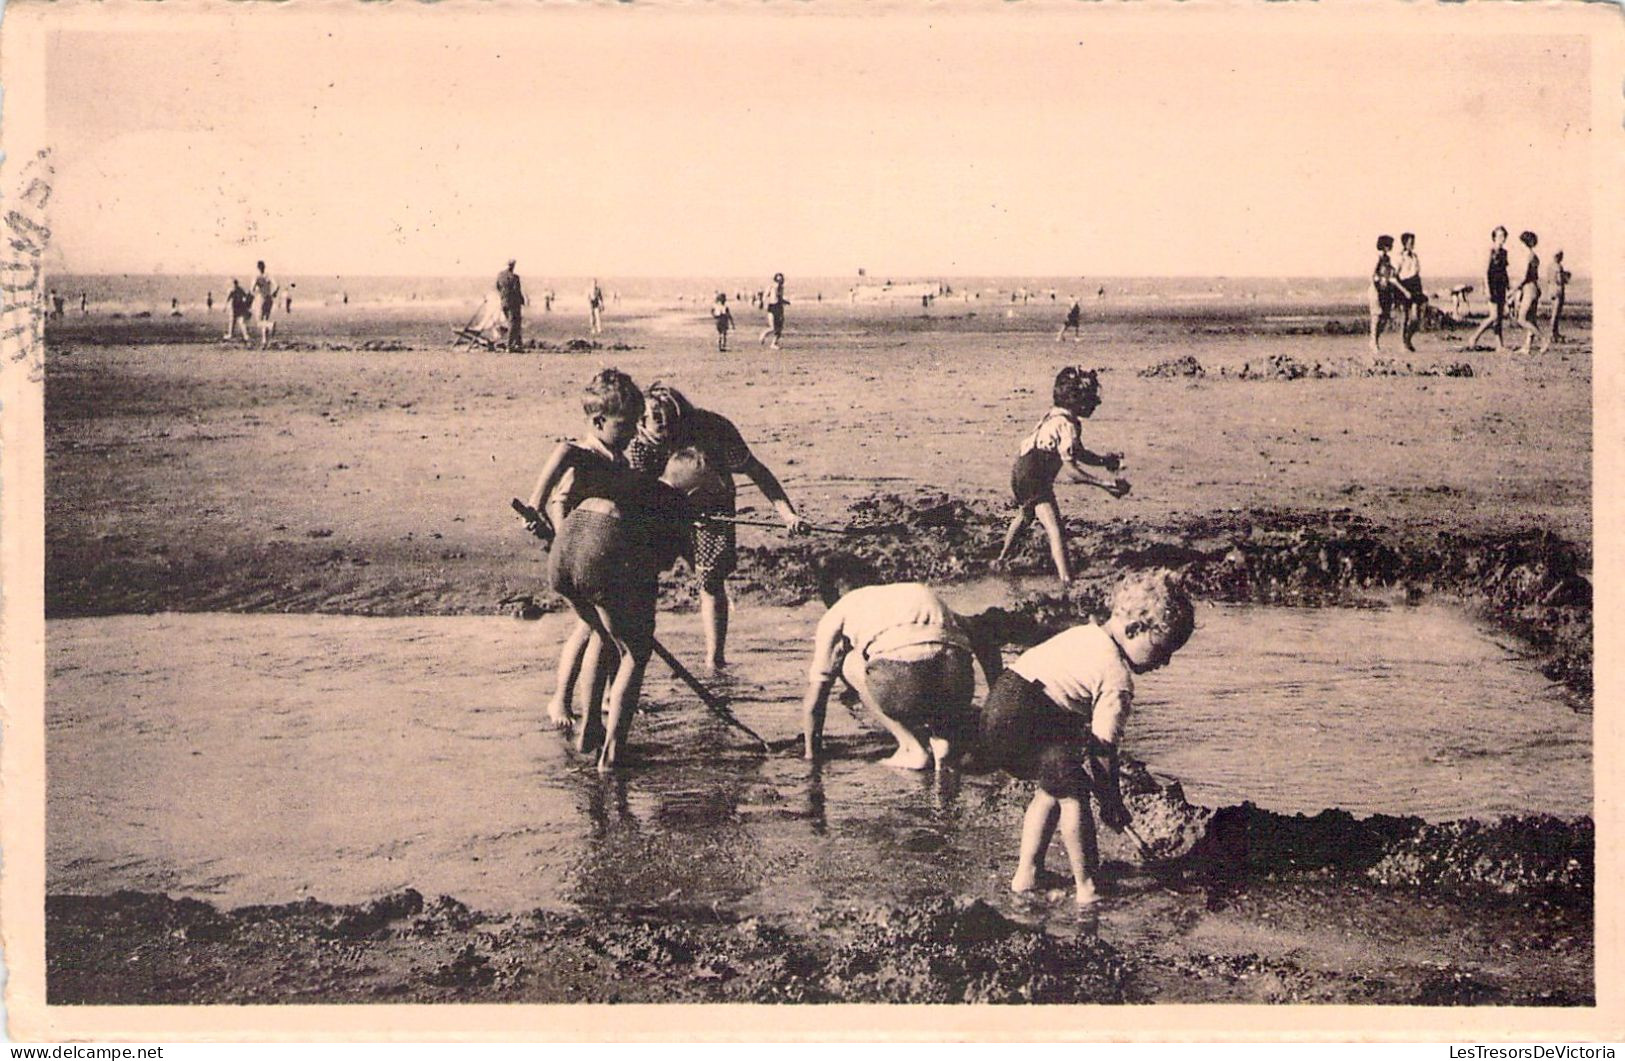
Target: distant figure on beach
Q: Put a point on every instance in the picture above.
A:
(1074, 320)
(241, 304)
(1386, 291)
(1057, 441)
(1458, 301)
(595, 309)
(1100, 292)
(287, 300)
(1408, 271)
(723, 318)
(1529, 295)
(512, 296)
(55, 308)
(266, 289)
(1560, 283)
(208, 301)
(174, 307)
(1497, 278)
(84, 300)
(346, 298)
(547, 301)
(774, 302)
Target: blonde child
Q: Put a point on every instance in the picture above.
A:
(1056, 716)
(590, 466)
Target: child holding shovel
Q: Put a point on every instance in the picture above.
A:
(1056, 715)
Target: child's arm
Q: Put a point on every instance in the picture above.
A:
(1081, 474)
(828, 642)
(813, 707)
(546, 483)
(764, 478)
(1110, 461)
(1100, 759)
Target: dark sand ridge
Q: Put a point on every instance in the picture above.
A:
(185, 478)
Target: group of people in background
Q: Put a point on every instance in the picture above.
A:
(240, 303)
(1521, 305)
(512, 300)
(1396, 286)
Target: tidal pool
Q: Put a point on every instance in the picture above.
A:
(263, 758)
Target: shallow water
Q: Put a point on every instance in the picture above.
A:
(267, 758)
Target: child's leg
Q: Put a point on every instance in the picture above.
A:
(714, 618)
(598, 660)
(1037, 827)
(1051, 519)
(634, 644)
(1023, 519)
(910, 753)
(1078, 837)
(569, 669)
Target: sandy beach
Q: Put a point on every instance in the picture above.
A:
(275, 584)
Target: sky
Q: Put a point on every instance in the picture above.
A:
(615, 141)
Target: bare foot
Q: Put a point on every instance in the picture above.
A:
(1086, 894)
(1024, 880)
(915, 758)
(559, 718)
(940, 751)
(608, 755)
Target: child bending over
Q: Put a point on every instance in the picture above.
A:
(1058, 440)
(1056, 715)
(905, 653)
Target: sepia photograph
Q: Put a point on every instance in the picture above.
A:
(996, 508)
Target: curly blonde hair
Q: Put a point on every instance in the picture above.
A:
(1157, 599)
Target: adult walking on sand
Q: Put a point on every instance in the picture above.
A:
(595, 308)
(671, 423)
(1074, 321)
(240, 303)
(511, 295)
(1529, 295)
(1385, 293)
(1560, 283)
(1496, 277)
(266, 289)
(774, 302)
(1408, 271)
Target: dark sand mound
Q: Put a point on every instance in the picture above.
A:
(1295, 873)
(401, 948)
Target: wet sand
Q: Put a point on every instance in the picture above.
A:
(184, 476)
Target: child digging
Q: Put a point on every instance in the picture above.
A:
(905, 653)
(1057, 713)
(1058, 440)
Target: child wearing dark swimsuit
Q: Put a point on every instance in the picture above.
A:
(1057, 441)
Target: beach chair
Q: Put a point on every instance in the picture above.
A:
(486, 330)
